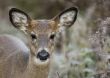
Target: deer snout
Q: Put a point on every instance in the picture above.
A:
(43, 55)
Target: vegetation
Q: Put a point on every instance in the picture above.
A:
(84, 50)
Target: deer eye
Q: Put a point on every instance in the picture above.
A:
(33, 36)
(52, 36)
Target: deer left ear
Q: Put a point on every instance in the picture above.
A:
(19, 19)
(67, 17)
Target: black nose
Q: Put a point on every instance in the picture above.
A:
(43, 55)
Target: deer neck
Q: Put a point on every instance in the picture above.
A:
(36, 71)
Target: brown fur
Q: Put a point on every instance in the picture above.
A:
(20, 61)
(14, 60)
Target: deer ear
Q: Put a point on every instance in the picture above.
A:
(67, 17)
(19, 19)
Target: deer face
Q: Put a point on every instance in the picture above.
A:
(41, 33)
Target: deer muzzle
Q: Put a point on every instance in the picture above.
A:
(43, 55)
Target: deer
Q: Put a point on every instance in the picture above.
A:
(32, 60)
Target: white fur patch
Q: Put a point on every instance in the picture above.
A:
(39, 62)
(20, 20)
(67, 18)
(19, 17)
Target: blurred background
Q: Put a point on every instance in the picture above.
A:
(83, 51)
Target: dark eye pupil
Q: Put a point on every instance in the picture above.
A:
(33, 36)
(52, 36)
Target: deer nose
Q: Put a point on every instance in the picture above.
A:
(43, 55)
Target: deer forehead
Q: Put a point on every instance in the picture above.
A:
(43, 26)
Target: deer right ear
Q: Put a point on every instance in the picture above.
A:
(19, 19)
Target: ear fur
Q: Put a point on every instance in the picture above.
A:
(67, 17)
(18, 18)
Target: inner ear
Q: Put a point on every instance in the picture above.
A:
(67, 17)
(18, 18)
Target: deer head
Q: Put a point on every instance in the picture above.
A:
(41, 33)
